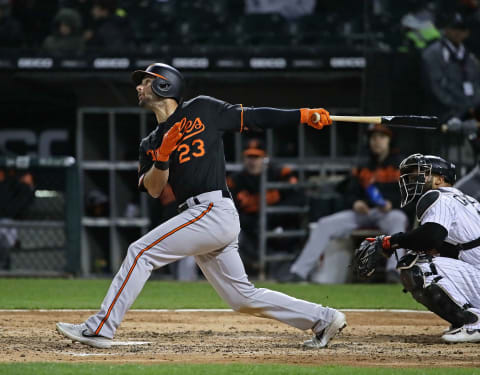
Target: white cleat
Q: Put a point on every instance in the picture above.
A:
(320, 340)
(462, 335)
(449, 329)
(80, 333)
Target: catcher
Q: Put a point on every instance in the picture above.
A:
(442, 267)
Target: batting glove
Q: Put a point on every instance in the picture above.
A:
(169, 144)
(317, 117)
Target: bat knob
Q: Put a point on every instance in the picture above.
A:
(315, 117)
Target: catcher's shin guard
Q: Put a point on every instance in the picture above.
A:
(434, 298)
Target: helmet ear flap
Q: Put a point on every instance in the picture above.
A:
(160, 86)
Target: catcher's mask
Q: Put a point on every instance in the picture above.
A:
(168, 83)
(415, 171)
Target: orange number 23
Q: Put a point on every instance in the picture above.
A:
(198, 150)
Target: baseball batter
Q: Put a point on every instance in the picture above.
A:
(186, 149)
(442, 270)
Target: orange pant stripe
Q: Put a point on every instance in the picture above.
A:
(97, 331)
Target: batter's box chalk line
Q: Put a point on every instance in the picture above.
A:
(126, 343)
(87, 354)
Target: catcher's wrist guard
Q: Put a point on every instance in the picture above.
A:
(387, 247)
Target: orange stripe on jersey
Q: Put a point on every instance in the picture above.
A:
(138, 257)
(241, 119)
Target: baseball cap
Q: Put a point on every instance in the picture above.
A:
(379, 128)
(255, 147)
(453, 20)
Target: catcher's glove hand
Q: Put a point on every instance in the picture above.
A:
(366, 256)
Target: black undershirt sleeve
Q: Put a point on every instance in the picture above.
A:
(426, 237)
(265, 117)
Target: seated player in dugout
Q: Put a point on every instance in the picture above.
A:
(442, 266)
(17, 193)
(186, 150)
(371, 192)
(245, 189)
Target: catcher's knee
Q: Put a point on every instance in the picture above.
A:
(412, 279)
(435, 298)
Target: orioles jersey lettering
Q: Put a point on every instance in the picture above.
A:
(203, 120)
(191, 128)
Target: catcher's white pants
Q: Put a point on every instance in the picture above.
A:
(209, 231)
(460, 280)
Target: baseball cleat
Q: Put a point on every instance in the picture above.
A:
(462, 335)
(320, 340)
(80, 333)
(449, 329)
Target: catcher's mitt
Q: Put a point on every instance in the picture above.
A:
(366, 257)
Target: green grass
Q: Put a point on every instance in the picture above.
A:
(104, 369)
(88, 294)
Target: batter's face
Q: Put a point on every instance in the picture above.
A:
(145, 95)
(253, 164)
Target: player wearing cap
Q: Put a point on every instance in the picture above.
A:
(442, 268)
(245, 188)
(186, 149)
(372, 194)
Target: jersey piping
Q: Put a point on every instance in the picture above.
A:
(241, 119)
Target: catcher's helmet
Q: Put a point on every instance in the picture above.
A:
(168, 83)
(415, 170)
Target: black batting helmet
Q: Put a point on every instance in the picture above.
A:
(415, 170)
(168, 83)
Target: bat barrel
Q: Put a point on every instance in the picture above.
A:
(410, 121)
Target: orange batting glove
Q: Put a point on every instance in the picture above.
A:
(316, 117)
(169, 144)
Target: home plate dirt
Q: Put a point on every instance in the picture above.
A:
(390, 339)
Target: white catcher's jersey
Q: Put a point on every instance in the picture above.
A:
(459, 214)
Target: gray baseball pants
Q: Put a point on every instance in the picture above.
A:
(341, 224)
(209, 231)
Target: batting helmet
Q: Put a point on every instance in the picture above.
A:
(415, 170)
(168, 83)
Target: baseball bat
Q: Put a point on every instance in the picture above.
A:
(410, 121)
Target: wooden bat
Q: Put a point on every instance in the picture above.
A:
(417, 122)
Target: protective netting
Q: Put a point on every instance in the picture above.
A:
(38, 215)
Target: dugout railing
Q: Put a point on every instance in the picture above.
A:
(319, 176)
(39, 216)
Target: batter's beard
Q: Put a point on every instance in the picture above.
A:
(144, 104)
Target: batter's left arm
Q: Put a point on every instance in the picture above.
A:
(265, 117)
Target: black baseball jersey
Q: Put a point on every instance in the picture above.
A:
(198, 164)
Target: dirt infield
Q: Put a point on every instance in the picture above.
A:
(371, 339)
